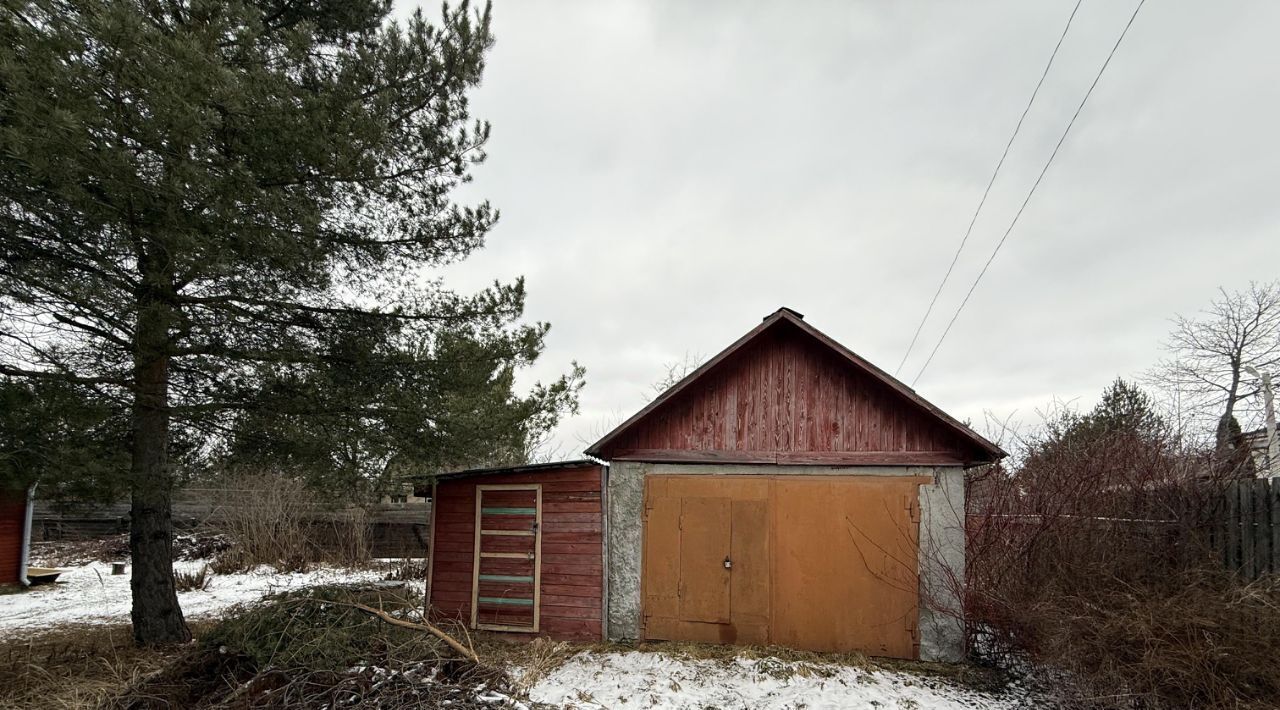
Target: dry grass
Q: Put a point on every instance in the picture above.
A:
(296, 651)
(1207, 642)
(73, 666)
(529, 661)
(191, 581)
(85, 666)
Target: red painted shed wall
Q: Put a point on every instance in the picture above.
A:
(786, 398)
(572, 584)
(13, 515)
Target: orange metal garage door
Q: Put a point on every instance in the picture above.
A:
(826, 563)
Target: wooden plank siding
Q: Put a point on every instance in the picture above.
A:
(13, 516)
(786, 398)
(572, 533)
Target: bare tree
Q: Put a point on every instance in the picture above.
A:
(676, 370)
(1211, 350)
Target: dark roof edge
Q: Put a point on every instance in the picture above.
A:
(790, 316)
(517, 468)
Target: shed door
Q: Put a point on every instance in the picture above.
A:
(825, 563)
(507, 567)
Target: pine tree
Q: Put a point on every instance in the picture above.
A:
(63, 437)
(1122, 444)
(195, 195)
(422, 407)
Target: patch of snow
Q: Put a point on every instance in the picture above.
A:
(90, 594)
(642, 679)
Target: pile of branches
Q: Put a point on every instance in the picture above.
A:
(326, 647)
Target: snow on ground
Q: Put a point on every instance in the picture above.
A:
(642, 679)
(90, 594)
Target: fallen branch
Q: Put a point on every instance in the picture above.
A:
(453, 643)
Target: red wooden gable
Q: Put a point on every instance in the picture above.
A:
(786, 393)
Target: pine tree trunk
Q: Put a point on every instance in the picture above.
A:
(157, 618)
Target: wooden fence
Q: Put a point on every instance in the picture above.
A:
(1247, 527)
(395, 529)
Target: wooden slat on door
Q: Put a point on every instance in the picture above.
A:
(507, 566)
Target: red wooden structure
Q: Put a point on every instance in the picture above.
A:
(786, 393)
(13, 534)
(536, 565)
(762, 499)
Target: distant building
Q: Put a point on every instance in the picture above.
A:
(403, 495)
(1256, 440)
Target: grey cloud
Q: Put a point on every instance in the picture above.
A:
(669, 173)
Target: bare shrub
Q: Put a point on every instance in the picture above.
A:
(343, 536)
(407, 569)
(229, 563)
(1206, 641)
(275, 519)
(1095, 556)
(199, 545)
(193, 580)
(264, 518)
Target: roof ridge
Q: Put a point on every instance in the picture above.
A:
(793, 317)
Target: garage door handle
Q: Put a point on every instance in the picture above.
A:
(728, 563)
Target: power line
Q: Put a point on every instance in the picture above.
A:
(1032, 191)
(973, 220)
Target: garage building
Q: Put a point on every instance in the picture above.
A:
(786, 492)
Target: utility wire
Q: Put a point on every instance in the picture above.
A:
(973, 220)
(1032, 191)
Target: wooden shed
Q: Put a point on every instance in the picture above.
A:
(536, 564)
(15, 534)
(790, 492)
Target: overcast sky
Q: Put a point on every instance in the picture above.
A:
(670, 172)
